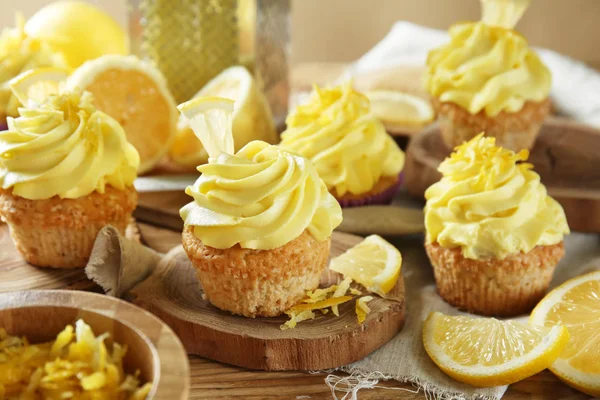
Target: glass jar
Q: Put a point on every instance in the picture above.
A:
(192, 41)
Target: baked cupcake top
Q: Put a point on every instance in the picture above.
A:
(262, 198)
(19, 53)
(487, 65)
(491, 203)
(337, 131)
(65, 147)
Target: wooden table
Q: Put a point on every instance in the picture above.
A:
(213, 380)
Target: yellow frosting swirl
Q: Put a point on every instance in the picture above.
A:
(337, 131)
(19, 53)
(65, 147)
(487, 68)
(491, 204)
(262, 198)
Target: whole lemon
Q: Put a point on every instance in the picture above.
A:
(81, 31)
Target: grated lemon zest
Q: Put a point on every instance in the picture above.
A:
(339, 292)
(362, 309)
(319, 294)
(75, 366)
(296, 317)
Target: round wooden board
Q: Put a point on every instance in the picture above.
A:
(174, 294)
(566, 155)
(153, 347)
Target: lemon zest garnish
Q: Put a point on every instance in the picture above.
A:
(296, 317)
(362, 309)
(319, 294)
(490, 160)
(332, 301)
(341, 291)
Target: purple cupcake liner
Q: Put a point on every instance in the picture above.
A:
(384, 197)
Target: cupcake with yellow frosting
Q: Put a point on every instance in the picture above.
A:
(259, 226)
(356, 158)
(493, 234)
(20, 52)
(487, 79)
(66, 171)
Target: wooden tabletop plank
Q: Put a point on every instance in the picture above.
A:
(213, 380)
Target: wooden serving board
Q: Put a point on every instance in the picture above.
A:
(174, 294)
(566, 155)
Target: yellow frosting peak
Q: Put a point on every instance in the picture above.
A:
(486, 67)
(337, 131)
(491, 204)
(19, 53)
(65, 147)
(260, 198)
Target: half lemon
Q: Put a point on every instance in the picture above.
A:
(135, 93)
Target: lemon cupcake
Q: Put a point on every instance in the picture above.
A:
(259, 226)
(66, 171)
(493, 234)
(487, 79)
(356, 158)
(19, 53)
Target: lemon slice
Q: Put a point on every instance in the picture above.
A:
(374, 263)
(37, 84)
(210, 120)
(135, 93)
(487, 352)
(576, 303)
(399, 110)
(252, 118)
(503, 13)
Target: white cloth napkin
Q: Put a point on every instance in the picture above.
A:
(575, 86)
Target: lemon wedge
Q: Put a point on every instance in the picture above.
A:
(37, 84)
(397, 110)
(487, 352)
(252, 118)
(374, 263)
(210, 119)
(576, 303)
(135, 93)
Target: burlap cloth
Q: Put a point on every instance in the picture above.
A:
(117, 264)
